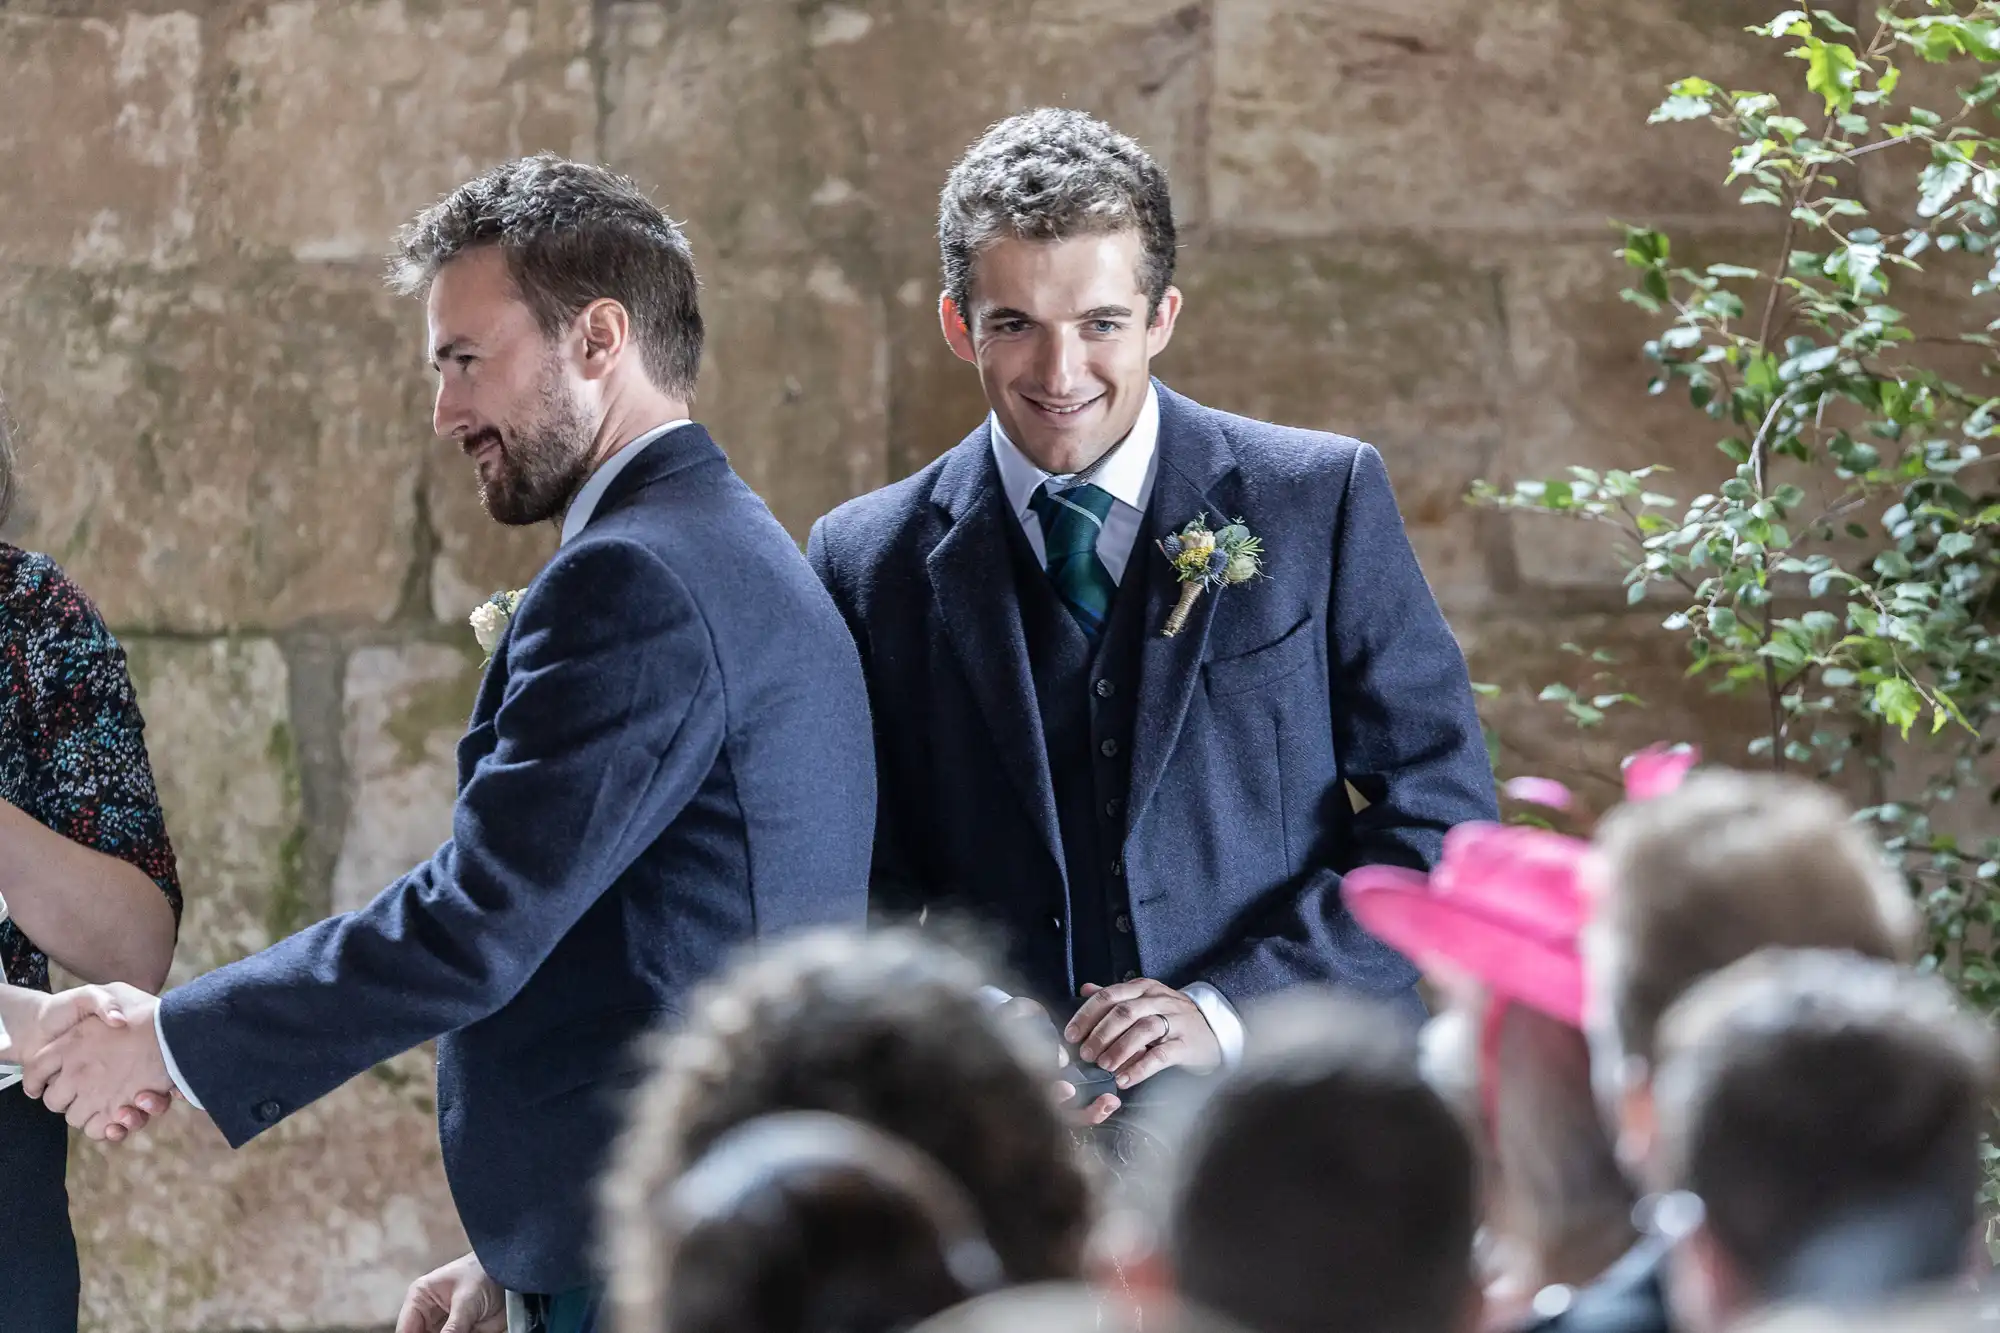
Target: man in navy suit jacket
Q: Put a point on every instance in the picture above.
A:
(1159, 824)
(669, 756)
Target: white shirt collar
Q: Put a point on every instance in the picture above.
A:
(1127, 474)
(585, 505)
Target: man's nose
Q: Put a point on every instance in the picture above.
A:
(449, 418)
(1062, 359)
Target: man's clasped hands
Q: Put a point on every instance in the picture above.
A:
(92, 1054)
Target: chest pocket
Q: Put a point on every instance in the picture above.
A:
(1288, 653)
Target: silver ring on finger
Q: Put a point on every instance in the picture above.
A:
(1166, 1028)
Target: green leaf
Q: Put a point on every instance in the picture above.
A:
(1954, 544)
(1830, 72)
(1636, 593)
(1837, 678)
(1830, 22)
(1820, 622)
(1680, 108)
(1898, 703)
(1645, 247)
(1733, 271)
(1788, 497)
(1940, 184)
(1757, 194)
(1788, 23)
(1935, 43)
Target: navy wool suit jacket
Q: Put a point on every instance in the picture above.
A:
(1336, 668)
(669, 756)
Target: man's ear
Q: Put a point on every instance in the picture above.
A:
(606, 331)
(957, 331)
(1161, 331)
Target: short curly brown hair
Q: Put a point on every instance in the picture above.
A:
(888, 1029)
(1047, 175)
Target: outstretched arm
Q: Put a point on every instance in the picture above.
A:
(611, 719)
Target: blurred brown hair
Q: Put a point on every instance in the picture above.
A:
(1553, 1186)
(805, 1222)
(1727, 864)
(887, 1028)
(1826, 1109)
(1324, 1184)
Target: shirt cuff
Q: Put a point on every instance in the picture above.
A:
(173, 1070)
(1222, 1018)
(993, 997)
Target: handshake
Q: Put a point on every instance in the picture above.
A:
(91, 1054)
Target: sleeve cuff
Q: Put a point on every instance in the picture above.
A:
(1222, 1018)
(993, 997)
(167, 1054)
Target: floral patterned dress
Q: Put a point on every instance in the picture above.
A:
(73, 756)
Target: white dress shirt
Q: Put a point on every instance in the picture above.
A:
(580, 512)
(1128, 474)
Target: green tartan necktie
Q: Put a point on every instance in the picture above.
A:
(1071, 521)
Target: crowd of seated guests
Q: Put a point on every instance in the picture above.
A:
(1682, 1077)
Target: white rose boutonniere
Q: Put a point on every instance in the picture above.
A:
(489, 619)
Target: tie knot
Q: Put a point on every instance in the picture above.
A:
(1050, 501)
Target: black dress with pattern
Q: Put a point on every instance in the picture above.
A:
(72, 756)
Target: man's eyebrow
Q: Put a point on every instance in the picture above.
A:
(446, 350)
(1109, 312)
(1006, 312)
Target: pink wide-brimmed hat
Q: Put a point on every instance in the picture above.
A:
(1505, 904)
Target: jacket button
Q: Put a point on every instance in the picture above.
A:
(266, 1112)
(1113, 806)
(1109, 749)
(1105, 689)
(1131, 975)
(1055, 924)
(1124, 924)
(1118, 868)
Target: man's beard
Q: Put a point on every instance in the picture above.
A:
(545, 463)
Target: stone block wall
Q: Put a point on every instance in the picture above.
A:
(1394, 214)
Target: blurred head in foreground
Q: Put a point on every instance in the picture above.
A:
(1819, 1117)
(1690, 882)
(886, 1028)
(1324, 1185)
(812, 1223)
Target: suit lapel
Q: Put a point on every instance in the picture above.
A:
(1195, 476)
(972, 579)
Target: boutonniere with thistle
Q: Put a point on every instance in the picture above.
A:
(489, 619)
(1203, 559)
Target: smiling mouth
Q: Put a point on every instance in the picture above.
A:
(1062, 409)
